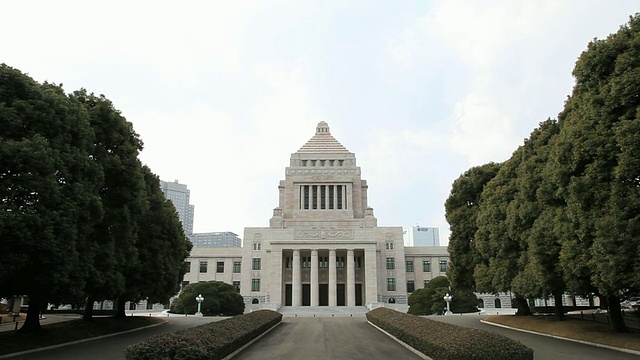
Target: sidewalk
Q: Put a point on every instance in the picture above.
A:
(9, 325)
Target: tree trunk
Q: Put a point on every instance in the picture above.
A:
(88, 309)
(559, 308)
(615, 314)
(523, 306)
(32, 322)
(120, 313)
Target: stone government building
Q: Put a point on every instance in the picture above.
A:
(323, 246)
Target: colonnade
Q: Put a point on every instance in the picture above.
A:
(367, 288)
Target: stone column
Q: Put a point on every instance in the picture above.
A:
(275, 285)
(314, 278)
(351, 279)
(333, 297)
(371, 276)
(296, 280)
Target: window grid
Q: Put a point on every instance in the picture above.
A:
(409, 265)
(220, 267)
(391, 263)
(203, 266)
(391, 284)
(236, 267)
(255, 284)
(426, 266)
(256, 264)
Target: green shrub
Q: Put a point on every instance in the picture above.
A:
(211, 341)
(440, 340)
(219, 298)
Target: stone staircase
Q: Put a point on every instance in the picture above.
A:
(323, 311)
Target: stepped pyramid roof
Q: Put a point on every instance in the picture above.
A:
(323, 142)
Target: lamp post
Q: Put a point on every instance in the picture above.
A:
(448, 298)
(199, 299)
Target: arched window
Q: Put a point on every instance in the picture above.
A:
(392, 301)
(480, 303)
(255, 301)
(497, 303)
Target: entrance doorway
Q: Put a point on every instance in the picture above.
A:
(306, 295)
(358, 294)
(340, 295)
(324, 294)
(288, 299)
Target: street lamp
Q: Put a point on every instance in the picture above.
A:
(448, 298)
(199, 299)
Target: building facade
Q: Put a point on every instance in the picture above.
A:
(421, 236)
(179, 196)
(323, 246)
(224, 239)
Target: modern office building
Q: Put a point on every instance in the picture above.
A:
(179, 195)
(224, 239)
(421, 236)
(323, 246)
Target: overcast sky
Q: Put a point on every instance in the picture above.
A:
(222, 93)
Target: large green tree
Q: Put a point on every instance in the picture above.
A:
(596, 161)
(48, 192)
(502, 253)
(116, 149)
(461, 208)
(162, 248)
(536, 216)
(430, 299)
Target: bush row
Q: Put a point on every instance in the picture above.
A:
(211, 341)
(440, 340)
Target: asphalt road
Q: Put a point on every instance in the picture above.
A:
(319, 338)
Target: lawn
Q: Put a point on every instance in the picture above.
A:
(67, 331)
(571, 328)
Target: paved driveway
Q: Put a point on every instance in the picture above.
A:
(317, 338)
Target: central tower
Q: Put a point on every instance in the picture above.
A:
(323, 246)
(322, 187)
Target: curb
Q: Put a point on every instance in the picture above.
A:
(423, 356)
(629, 351)
(7, 356)
(250, 342)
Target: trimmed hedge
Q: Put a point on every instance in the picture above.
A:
(440, 340)
(211, 341)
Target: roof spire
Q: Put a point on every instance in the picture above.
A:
(322, 129)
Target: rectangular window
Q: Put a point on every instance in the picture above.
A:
(236, 267)
(256, 264)
(443, 265)
(389, 246)
(410, 286)
(391, 263)
(203, 266)
(331, 196)
(255, 284)
(340, 261)
(391, 284)
(339, 196)
(426, 266)
(236, 286)
(409, 266)
(287, 262)
(426, 282)
(220, 267)
(306, 197)
(187, 266)
(256, 246)
(322, 262)
(358, 262)
(323, 192)
(306, 262)
(314, 196)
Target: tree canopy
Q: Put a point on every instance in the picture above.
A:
(80, 216)
(563, 213)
